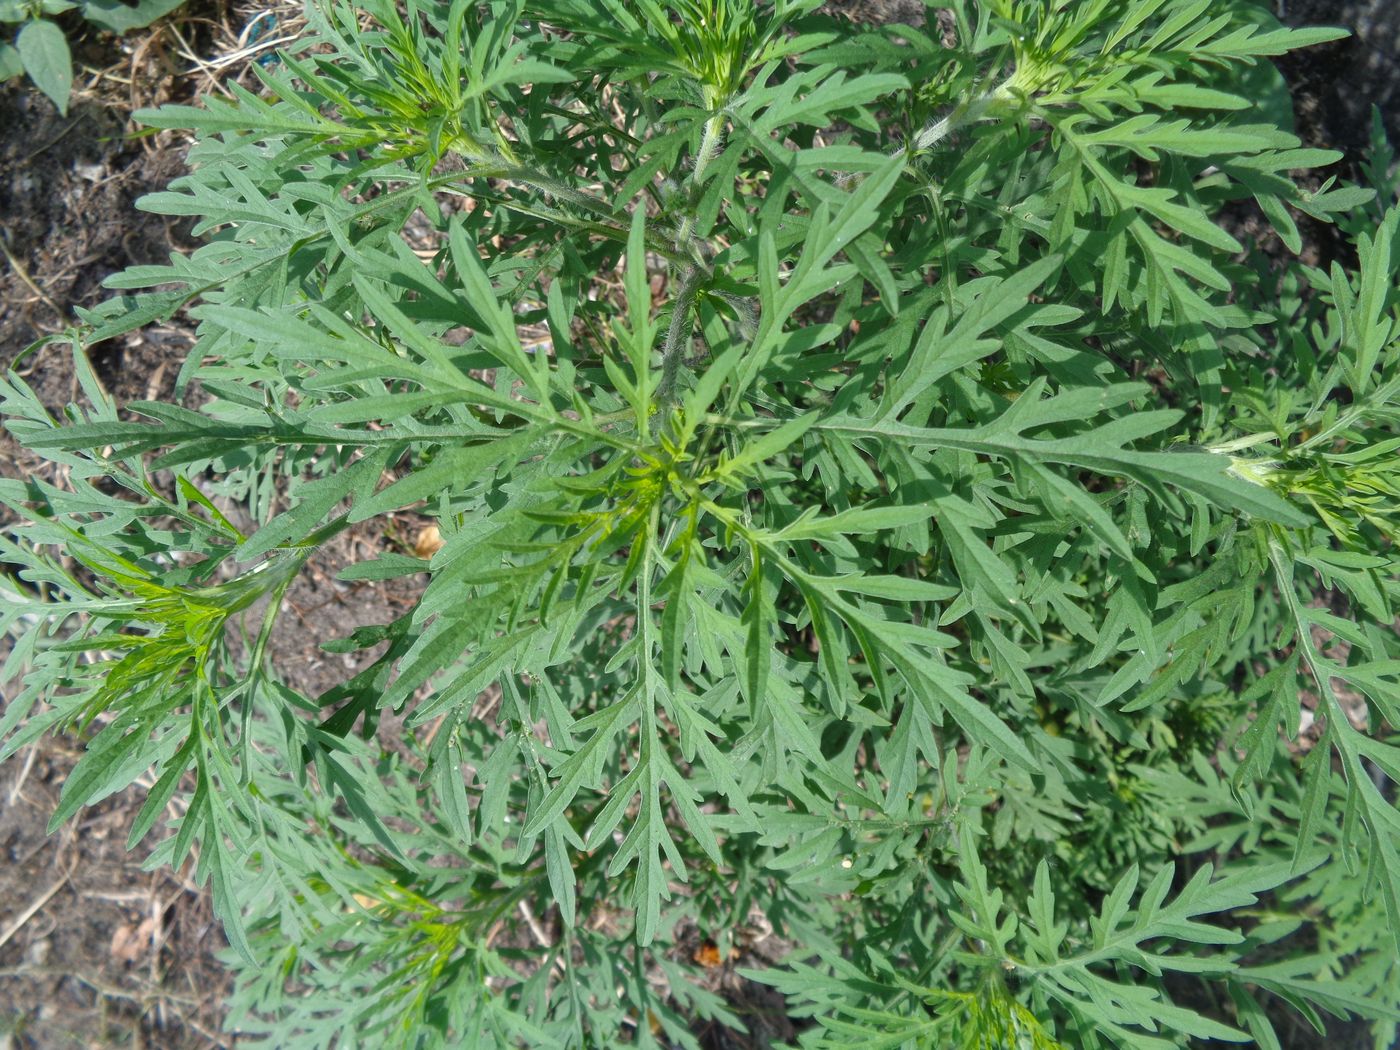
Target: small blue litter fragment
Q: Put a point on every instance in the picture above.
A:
(261, 26)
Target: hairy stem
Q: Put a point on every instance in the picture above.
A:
(677, 334)
(709, 146)
(967, 112)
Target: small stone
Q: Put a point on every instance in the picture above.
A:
(37, 954)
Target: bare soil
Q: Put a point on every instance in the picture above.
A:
(94, 951)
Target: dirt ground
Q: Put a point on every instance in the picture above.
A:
(94, 951)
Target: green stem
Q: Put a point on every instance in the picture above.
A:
(966, 112)
(257, 668)
(709, 146)
(325, 532)
(678, 332)
(1354, 415)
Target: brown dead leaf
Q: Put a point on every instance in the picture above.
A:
(708, 956)
(428, 542)
(129, 943)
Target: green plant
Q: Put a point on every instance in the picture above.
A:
(916, 522)
(40, 48)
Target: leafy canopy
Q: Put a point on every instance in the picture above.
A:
(891, 530)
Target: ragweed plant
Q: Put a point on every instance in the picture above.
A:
(892, 531)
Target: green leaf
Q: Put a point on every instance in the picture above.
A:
(314, 501)
(43, 49)
(861, 520)
(115, 16)
(1103, 449)
(451, 470)
(11, 65)
(757, 452)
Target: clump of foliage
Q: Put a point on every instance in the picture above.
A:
(40, 49)
(919, 530)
